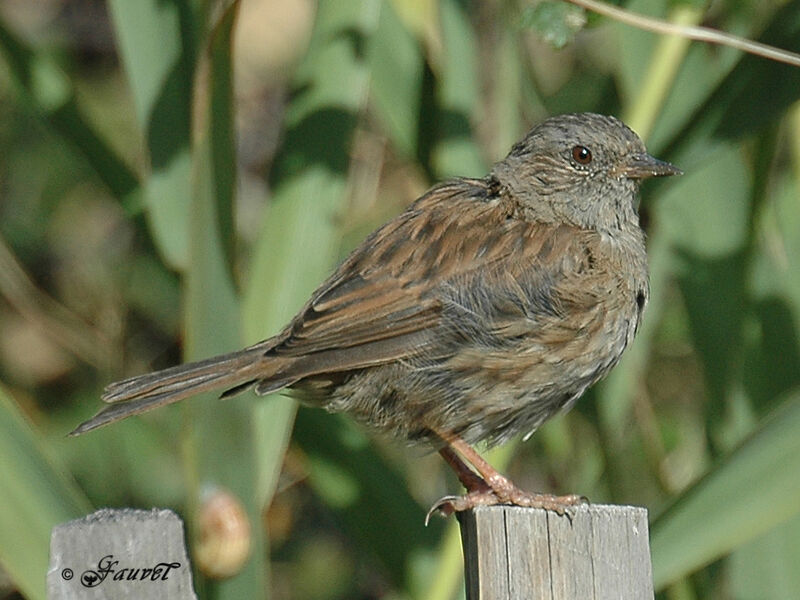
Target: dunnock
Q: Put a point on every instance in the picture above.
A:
(485, 308)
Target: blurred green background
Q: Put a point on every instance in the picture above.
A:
(176, 176)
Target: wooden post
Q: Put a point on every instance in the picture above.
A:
(602, 553)
(123, 554)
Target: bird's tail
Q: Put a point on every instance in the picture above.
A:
(236, 371)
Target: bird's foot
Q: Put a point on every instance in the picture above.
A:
(512, 495)
(508, 493)
(448, 505)
(488, 487)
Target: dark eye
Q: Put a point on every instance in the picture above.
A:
(582, 155)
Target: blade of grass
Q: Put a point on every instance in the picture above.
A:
(710, 262)
(155, 44)
(221, 127)
(787, 215)
(396, 65)
(662, 70)
(219, 441)
(457, 95)
(365, 492)
(767, 566)
(37, 495)
(753, 490)
(300, 237)
(505, 95)
(697, 76)
(367, 495)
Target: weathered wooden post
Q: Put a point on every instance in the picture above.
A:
(601, 552)
(122, 553)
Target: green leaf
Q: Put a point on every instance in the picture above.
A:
(299, 240)
(213, 318)
(710, 258)
(556, 22)
(47, 90)
(772, 359)
(753, 490)
(297, 248)
(748, 99)
(690, 207)
(155, 43)
(396, 67)
(37, 495)
(365, 492)
(774, 273)
(767, 566)
(221, 126)
(457, 96)
(506, 96)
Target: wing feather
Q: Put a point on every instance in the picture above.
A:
(385, 300)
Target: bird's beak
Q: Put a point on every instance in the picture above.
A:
(642, 166)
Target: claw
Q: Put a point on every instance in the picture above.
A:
(453, 504)
(445, 507)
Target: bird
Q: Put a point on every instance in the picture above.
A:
(485, 308)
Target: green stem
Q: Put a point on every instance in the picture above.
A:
(667, 58)
(794, 140)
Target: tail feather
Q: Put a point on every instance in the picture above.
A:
(135, 395)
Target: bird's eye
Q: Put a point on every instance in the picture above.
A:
(582, 155)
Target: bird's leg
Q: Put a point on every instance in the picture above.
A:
(468, 478)
(504, 488)
(478, 491)
(491, 487)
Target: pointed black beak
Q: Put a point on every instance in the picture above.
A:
(642, 166)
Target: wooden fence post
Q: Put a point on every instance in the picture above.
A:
(602, 553)
(120, 553)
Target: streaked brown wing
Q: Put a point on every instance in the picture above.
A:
(383, 300)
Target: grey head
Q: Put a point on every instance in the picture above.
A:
(582, 169)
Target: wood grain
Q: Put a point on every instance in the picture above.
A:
(600, 553)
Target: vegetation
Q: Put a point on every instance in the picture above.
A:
(178, 175)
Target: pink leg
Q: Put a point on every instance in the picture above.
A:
(468, 478)
(491, 487)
